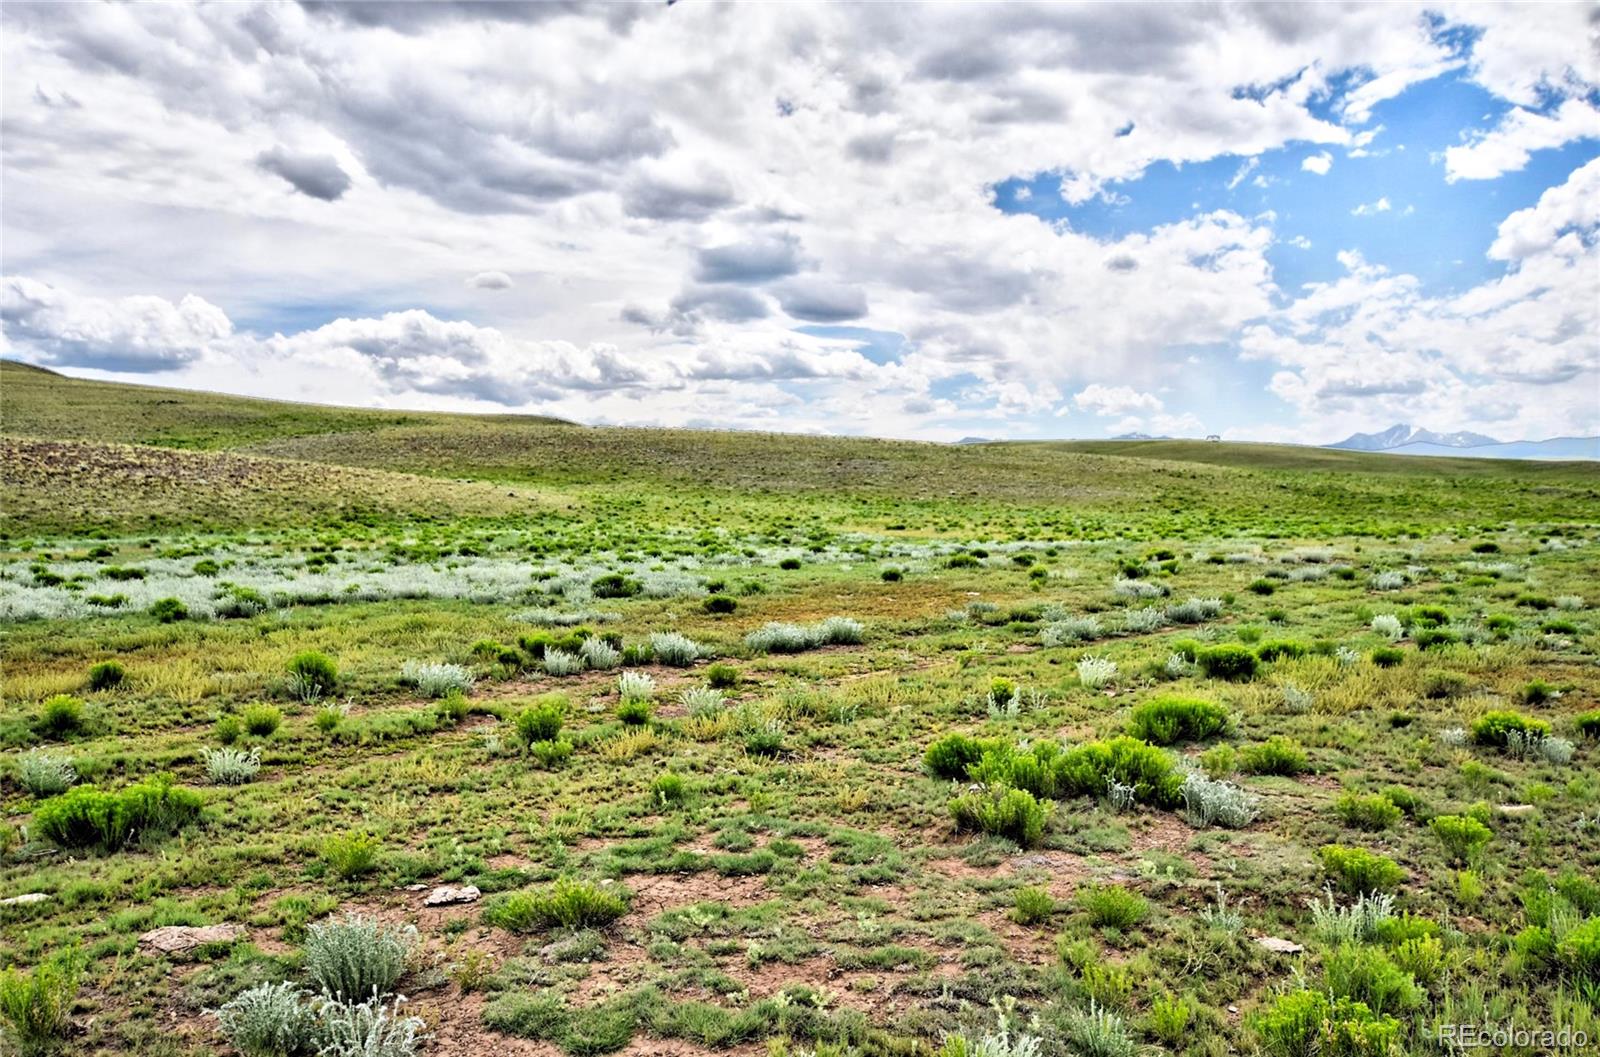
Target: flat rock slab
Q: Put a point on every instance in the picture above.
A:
(445, 896)
(24, 900)
(1278, 945)
(178, 939)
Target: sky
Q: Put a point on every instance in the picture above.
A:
(1269, 222)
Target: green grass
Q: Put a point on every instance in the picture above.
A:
(783, 864)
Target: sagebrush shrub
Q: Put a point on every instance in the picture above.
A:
(559, 662)
(671, 648)
(701, 700)
(1143, 621)
(1069, 631)
(1195, 610)
(367, 1029)
(1166, 720)
(231, 766)
(635, 686)
(1208, 802)
(1359, 921)
(1096, 672)
(268, 1020)
(355, 958)
(599, 654)
(45, 774)
(568, 903)
(437, 680)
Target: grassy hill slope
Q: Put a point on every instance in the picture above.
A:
(1087, 488)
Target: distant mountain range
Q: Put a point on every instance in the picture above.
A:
(1409, 440)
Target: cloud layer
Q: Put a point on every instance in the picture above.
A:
(710, 211)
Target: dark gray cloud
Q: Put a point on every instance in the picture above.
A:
(665, 198)
(756, 261)
(1122, 262)
(316, 175)
(731, 304)
(417, 16)
(822, 301)
(874, 148)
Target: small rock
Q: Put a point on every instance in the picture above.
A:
(24, 900)
(416, 888)
(176, 939)
(445, 896)
(1278, 945)
(1517, 810)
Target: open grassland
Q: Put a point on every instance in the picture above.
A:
(781, 745)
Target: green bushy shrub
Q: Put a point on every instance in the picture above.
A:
(1278, 649)
(1011, 813)
(1032, 905)
(169, 610)
(1388, 656)
(615, 585)
(36, 1006)
(1166, 720)
(107, 675)
(261, 720)
(1276, 755)
(541, 722)
(720, 676)
(1463, 837)
(1112, 906)
(1227, 661)
(315, 674)
(568, 903)
(1085, 770)
(1356, 871)
(953, 754)
(1538, 692)
(351, 855)
(1588, 723)
(1309, 1023)
(88, 817)
(1491, 728)
(1374, 812)
(1367, 975)
(719, 605)
(61, 716)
